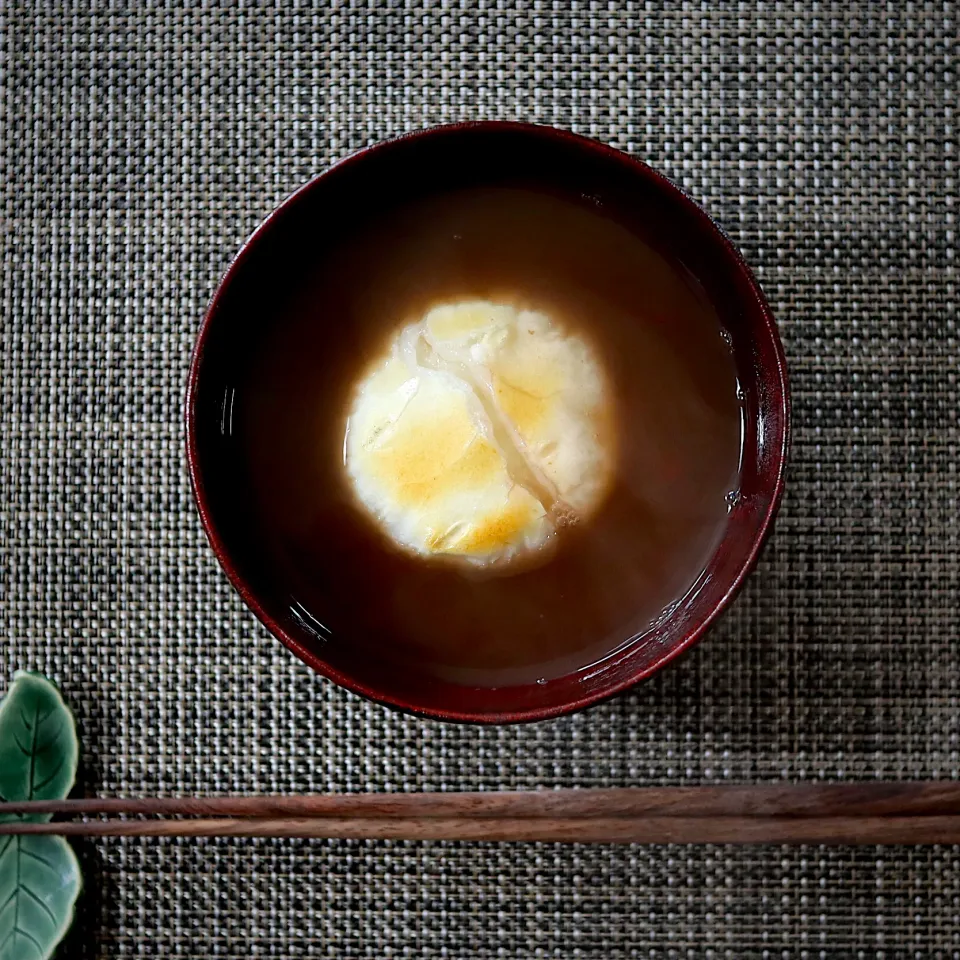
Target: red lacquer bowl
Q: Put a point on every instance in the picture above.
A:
(467, 155)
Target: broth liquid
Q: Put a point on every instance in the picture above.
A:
(611, 577)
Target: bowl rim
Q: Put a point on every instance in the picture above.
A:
(524, 714)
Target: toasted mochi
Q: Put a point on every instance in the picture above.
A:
(479, 433)
(547, 386)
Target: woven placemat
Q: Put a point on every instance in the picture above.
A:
(138, 149)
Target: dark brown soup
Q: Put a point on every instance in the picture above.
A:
(612, 576)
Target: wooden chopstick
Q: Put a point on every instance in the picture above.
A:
(862, 813)
(930, 798)
(737, 830)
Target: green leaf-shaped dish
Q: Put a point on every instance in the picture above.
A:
(39, 875)
(38, 742)
(39, 884)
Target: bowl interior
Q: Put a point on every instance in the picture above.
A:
(307, 227)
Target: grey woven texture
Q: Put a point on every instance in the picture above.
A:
(140, 147)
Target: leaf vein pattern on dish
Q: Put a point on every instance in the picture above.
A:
(480, 433)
